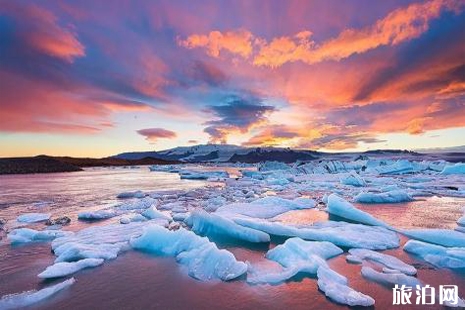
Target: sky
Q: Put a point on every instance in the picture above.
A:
(96, 78)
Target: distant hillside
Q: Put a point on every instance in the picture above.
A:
(47, 164)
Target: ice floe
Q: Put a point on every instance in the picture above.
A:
(97, 215)
(389, 261)
(152, 213)
(342, 208)
(393, 196)
(204, 223)
(66, 268)
(204, 261)
(15, 301)
(24, 235)
(439, 256)
(33, 217)
(353, 179)
(389, 279)
(458, 168)
(126, 195)
(444, 237)
(202, 175)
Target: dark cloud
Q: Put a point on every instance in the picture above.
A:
(238, 114)
(341, 141)
(153, 134)
(272, 135)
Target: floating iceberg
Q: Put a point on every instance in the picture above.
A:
(204, 223)
(393, 196)
(389, 261)
(152, 213)
(342, 208)
(202, 175)
(458, 168)
(444, 237)
(389, 279)
(335, 287)
(353, 179)
(264, 274)
(340, 233)
(272, 166)
(33, 217)
(97, 215)
(136, 194)
(437, 255)
(266, 207)
(66, 268)
(132, 218)
(202, 258)
(24, 235)
(28, 298)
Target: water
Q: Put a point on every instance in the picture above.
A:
(140, 281)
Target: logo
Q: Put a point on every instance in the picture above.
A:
(425, 295)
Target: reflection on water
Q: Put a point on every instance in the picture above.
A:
(141, 281)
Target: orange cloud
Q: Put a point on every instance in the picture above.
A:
(236, 42)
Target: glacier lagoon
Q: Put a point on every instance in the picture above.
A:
(133, 278)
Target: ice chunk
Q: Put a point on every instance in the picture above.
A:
(139, 204)
(202, 258)
(386, 260)
(202, 175)
(336, 288)
(458, 168)
(340, 233)
(307, 255)
(97, 215)
(444, 237)
(64, 269)
(33, 217)
(266, 207)
(437, 255)
(152, 213)
(389, 279)
(132, 218)
(272, 166)
(353, 179)
(212, 224)
(136, 194)
(24, 235)
(342, 208)
(264, 274)
(28, 298)
(393, 196)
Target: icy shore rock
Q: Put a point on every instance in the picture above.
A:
(66, 268)
(394, 196)
(97, 215)
(340, 233)
(204, 223)
(439, 256)
(28, 298)
(444, 237)
(342, 208)
(202, 258)
(388, 261)
(353, 179)
(33, 217)
(458, 168)
(24, 235)
(266, 207)
(389, 279)
(335, 287)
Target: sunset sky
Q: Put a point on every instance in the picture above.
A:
(95, 78)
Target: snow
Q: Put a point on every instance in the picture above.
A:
(389, 279)
(335, 287)
(353, 179)
(25, 235)
(458, 168)
(266, 207)
(28, 298)
(97, 215)
(66, 268)
(444, 237)
(340, 207)
(388, 261)
(33, 217)
(204, 223)
(439, 256)
(393, 196)
(340, 233)
(202, 258)
(152, 213)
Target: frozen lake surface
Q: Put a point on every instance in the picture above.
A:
(139, 279)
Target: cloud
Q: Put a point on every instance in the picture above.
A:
(238, 114)
(237, 42)
(273, 135)
(154, 134)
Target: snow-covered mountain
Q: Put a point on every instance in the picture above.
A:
(224, 153)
